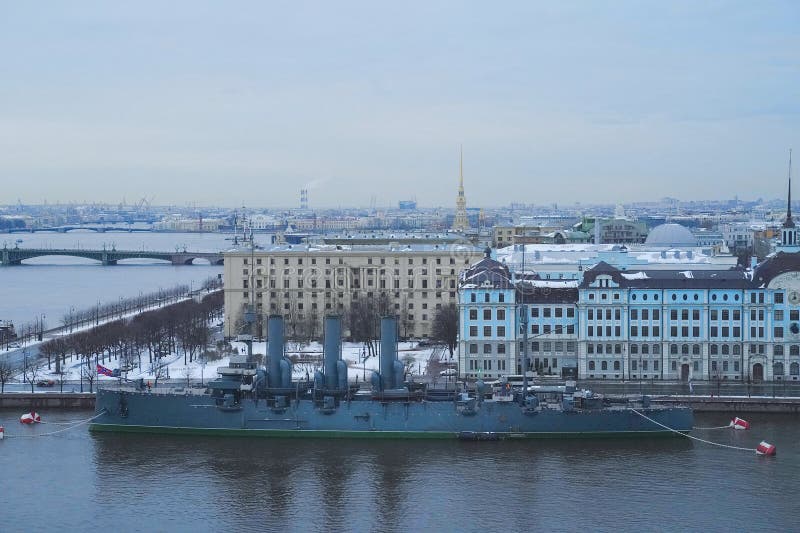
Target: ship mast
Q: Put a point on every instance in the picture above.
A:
(524, 323)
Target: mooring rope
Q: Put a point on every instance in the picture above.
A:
(691, 436)
(62, 430)
(716, 427)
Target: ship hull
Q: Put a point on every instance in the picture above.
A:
(122, 411)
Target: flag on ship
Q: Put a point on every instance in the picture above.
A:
(104, 371)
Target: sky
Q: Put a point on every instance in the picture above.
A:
(245, 103)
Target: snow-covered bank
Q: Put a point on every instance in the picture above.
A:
(308, 357)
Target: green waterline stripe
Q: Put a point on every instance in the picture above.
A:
(337, 434)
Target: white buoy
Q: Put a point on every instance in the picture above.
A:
(2, 432)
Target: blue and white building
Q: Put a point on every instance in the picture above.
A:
(643, 323)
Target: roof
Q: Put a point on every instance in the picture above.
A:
(671, 235)
(776, 264)
(672, 279)
(487, 270)
(533, 294)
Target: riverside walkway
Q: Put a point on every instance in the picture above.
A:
(15, 256)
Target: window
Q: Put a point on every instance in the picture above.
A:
(616, 365)
(501, 313)
(473, 314)
(778, 297)
(487, 314)
(779, 315)
(501, 331)
(591, 365)
(695, 314)
(473, 331)
(546, 312)
(634, 314)
(603, 365)
(778, 349)
(501, 348)
(487, 331)
(487, 348)
(634, 331)
(713, 349)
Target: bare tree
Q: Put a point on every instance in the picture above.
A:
(408, 364)
(160, 371)
(445, 327)
(188, 373)
(89, 372)
(363, 320)
(30, 371)
(6, 372)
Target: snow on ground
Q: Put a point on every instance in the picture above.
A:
(309, 356)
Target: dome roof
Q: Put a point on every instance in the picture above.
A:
(671, 235)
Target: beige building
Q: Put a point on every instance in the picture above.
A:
(306, 282)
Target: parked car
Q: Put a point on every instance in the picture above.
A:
(45, 383)
(449, 372)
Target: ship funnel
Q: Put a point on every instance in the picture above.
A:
(388, 352)
(333, 350)
(275, 350)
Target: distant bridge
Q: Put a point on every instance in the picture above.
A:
(15, 256)
(96, 228)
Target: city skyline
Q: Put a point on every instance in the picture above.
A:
(608, 103)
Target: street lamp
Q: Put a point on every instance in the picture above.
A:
(71, 320)
(41, 327)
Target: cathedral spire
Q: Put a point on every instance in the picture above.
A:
(461, 222)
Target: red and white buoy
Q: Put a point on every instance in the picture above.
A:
(738, 423)
(30, 418)
(2, 432)
(765, 448)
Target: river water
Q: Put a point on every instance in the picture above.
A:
(52, 286)
(77, 480)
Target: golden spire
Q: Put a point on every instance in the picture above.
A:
(461, 222)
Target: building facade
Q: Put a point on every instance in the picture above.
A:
(305, 282)
(726, 324)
